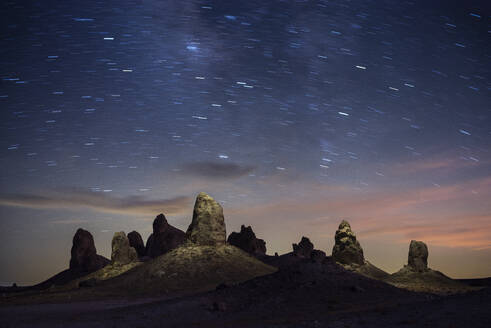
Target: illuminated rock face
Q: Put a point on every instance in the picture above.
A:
(84, 256)
(136, 241)
(418, 256)
(247, 241)
(164, 237)
(304, 248)
(208, 225)
(122, 253)
(347, 249)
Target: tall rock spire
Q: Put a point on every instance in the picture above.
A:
(208, 224)
(347, 249)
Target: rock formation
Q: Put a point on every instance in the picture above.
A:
(417, 276)
(418, 256)
(247, 241)
(122, 253)
(136, 241)
(84, 256)
(304, 248)
(164, 237)
(207, 227)
(347, 249)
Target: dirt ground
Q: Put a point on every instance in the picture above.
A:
(300, 295)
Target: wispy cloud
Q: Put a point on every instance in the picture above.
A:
(98, 201)
(215, 170)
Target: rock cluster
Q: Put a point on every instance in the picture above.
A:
(84, 256)
(164, 237)
(247, 241)
(122, 253)
(136, 241)
(207, 227)
(418, 256)
(304, 248)
(347, 249)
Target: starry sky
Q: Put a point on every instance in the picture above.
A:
(293, 115)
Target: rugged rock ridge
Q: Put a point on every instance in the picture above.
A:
(136, 241)
(347, 250)
(207, 227)
(164, 237)
(247, 241)
(122, 253)
(84, 257)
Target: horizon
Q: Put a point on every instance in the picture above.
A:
(292, 115)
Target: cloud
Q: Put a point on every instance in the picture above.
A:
(215, 170)
(98, 201)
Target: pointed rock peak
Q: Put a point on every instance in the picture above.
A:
(247, 241)
(208, 224)
(164, 240)
(304, 248)
(136, 241)
(122, 253)
(247, 230)
(347, 250)
(160, 223)
(418, 256)
(344, 225)
(84, 256)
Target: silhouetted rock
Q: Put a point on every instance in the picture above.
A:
(317, 255)
(418, 256)
(208, 224)
(247, 241)
(164, 237)
(304, 248)
(347, 249)
(122, 253)
(136, 241)
(84, 255)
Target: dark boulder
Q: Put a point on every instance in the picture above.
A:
(207, 227)
(347, 250)
(418, 256)
(247, 241)
(136, 241)
(303, 249)
(164, 237)
(84, 256)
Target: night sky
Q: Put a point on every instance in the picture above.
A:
(293, 115)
